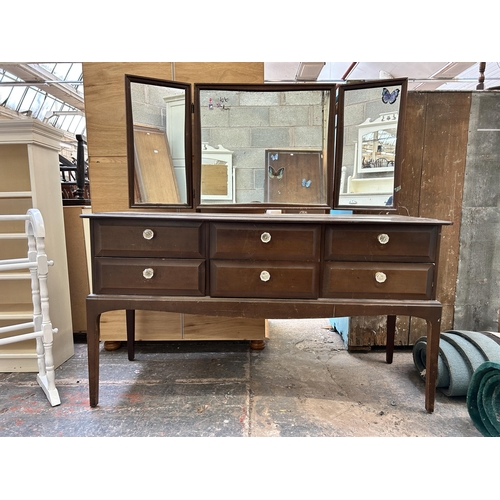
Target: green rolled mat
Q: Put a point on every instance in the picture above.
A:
(483, 399)
(461, 352)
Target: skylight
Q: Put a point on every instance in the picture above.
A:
(42, 91)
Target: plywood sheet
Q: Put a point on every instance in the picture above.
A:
(77, 266)
(198, 327)
(214, 180)
(149, 325)
(154, 167)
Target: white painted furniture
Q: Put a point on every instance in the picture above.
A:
(30, 178)
(35, 268)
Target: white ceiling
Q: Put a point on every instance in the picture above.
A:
(421, 75)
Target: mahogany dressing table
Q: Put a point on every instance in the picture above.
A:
(265, 266)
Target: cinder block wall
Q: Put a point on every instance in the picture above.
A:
(248, 124)
(477, 301)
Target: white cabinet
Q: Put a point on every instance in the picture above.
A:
(30, 178)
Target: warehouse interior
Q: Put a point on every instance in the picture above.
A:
(222, 388)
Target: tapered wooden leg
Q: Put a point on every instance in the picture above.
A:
(130, 316)
(93, 325)
(391, 330)
(431, 364)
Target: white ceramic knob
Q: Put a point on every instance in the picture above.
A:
(148, 234)
(265, 237)
(265, 276)
(383, 239)
(148, 273)
(380, 277)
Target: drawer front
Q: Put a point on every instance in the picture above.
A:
(149, 276)
(378, 280)
(148, 239)
(265, 241)
(265, 279)
(396, 243)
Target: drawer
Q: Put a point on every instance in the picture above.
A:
(116, 238)
(149, 276)
(265, 241)
(263, 279)
(378, 280)
(366, 242)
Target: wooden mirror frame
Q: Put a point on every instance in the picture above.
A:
(339, 149)
(131, 146)
(329, 149)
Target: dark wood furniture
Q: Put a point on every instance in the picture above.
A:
(265, 266)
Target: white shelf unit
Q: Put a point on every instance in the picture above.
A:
(30, 178)
(35, 324)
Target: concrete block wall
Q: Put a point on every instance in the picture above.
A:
(478, 284)
(248, 123)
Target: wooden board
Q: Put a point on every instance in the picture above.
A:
(214, 180)
(293, 177)
(154, 325)
(154, 169)
(77, 269)
(434, 156)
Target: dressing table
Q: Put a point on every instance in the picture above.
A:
(227, 248)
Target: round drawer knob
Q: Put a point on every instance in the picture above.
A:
(148, 234)
(380, 277)
(148, 273)
(265, 237)
(383, 239)
(265, 276)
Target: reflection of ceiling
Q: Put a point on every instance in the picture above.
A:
(421, 75)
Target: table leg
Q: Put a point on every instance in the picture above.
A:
(93, 326)
(431, 363)
(391, 330)
(130, 318)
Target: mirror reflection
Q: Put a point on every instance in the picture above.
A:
(370, 117)
(156, 124)
(265, 146)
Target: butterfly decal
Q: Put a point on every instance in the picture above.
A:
(274, 157)
(276, 175)
(389, 97)
(306, 183)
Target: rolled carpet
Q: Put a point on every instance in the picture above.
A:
(483, 399)
(461, 352)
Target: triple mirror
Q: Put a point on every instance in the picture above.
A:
(262, 146)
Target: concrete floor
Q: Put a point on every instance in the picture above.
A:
(304, 383)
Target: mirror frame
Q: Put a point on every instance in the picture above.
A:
(197, 143)
(188, 146)
(339, 149)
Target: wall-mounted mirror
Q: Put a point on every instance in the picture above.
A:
(158, 142)
(264, 145)
(369, 140)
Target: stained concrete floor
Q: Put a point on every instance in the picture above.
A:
(304, 383)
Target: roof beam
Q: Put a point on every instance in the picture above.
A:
(36, 76)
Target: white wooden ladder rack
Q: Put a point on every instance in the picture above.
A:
(41, 327)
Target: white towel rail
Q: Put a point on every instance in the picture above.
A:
(37, 264)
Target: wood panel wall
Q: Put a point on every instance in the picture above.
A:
(434, 157)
